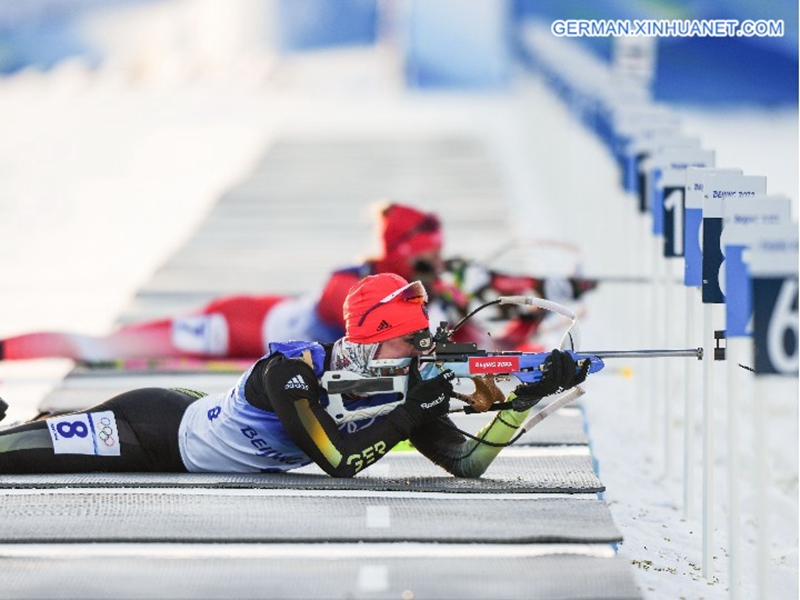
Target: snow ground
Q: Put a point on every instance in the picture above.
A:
(102, 178)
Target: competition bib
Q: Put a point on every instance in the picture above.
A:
(85, 433)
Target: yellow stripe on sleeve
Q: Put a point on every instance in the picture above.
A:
(317, 433)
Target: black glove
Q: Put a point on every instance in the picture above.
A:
(427, 399)
(560, 372)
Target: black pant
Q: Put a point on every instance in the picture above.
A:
(147, 421)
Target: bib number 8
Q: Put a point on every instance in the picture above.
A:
(85, 433)
(70, 429)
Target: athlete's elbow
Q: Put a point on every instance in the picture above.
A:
(346, 474)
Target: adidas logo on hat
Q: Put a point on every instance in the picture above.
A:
(296, 383)
(383, 325)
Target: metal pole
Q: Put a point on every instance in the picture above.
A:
(676, 353)
(733, 353)
(707, 567)
(656, 318)
(689, 412)
(762, 492)
(666, 325)
(644, 326)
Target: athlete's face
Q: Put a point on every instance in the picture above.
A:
(427, 267)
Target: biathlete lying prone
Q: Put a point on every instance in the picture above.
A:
(242, 326)
(274, 418)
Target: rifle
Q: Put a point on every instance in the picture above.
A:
(466, 360)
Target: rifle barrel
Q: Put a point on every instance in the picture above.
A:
(606, 279)
(678, 353)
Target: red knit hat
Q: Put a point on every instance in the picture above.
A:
(384, 306)
(405, 232)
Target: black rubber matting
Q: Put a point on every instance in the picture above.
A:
(398, 471)
(559, 577)
(152, 516)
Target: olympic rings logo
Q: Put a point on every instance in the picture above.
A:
(106, 432)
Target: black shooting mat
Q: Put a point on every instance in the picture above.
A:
(515, 471)
(282, 516)
(315, 576)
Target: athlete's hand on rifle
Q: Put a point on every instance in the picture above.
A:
(559, 372)
(427, 399)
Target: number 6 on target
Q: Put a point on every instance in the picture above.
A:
(775, 329)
